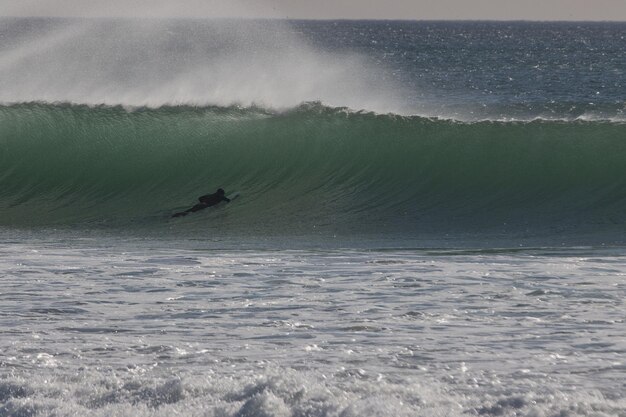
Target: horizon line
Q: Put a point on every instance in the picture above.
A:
(329, 19)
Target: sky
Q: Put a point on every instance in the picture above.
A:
(596, 10)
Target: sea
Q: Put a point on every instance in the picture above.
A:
(431, 218)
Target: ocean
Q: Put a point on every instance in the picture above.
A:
(431, 218)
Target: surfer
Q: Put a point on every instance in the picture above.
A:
(204, 202)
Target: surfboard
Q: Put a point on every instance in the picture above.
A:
(233, 195)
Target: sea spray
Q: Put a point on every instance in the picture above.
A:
(156, 62)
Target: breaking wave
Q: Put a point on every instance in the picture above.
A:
(313, 167)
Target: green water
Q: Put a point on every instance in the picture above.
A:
(309, 169)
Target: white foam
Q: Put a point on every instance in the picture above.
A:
(279, 392)
(372, 343)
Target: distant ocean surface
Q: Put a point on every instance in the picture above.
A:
(431, 220)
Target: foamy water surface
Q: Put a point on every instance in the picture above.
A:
(134, 329)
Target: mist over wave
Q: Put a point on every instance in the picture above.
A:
(157, 62)
(467, 71)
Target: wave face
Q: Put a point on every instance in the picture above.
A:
(307, 170)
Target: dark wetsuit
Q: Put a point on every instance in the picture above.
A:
(205, 201)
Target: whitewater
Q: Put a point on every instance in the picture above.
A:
(431, 218)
